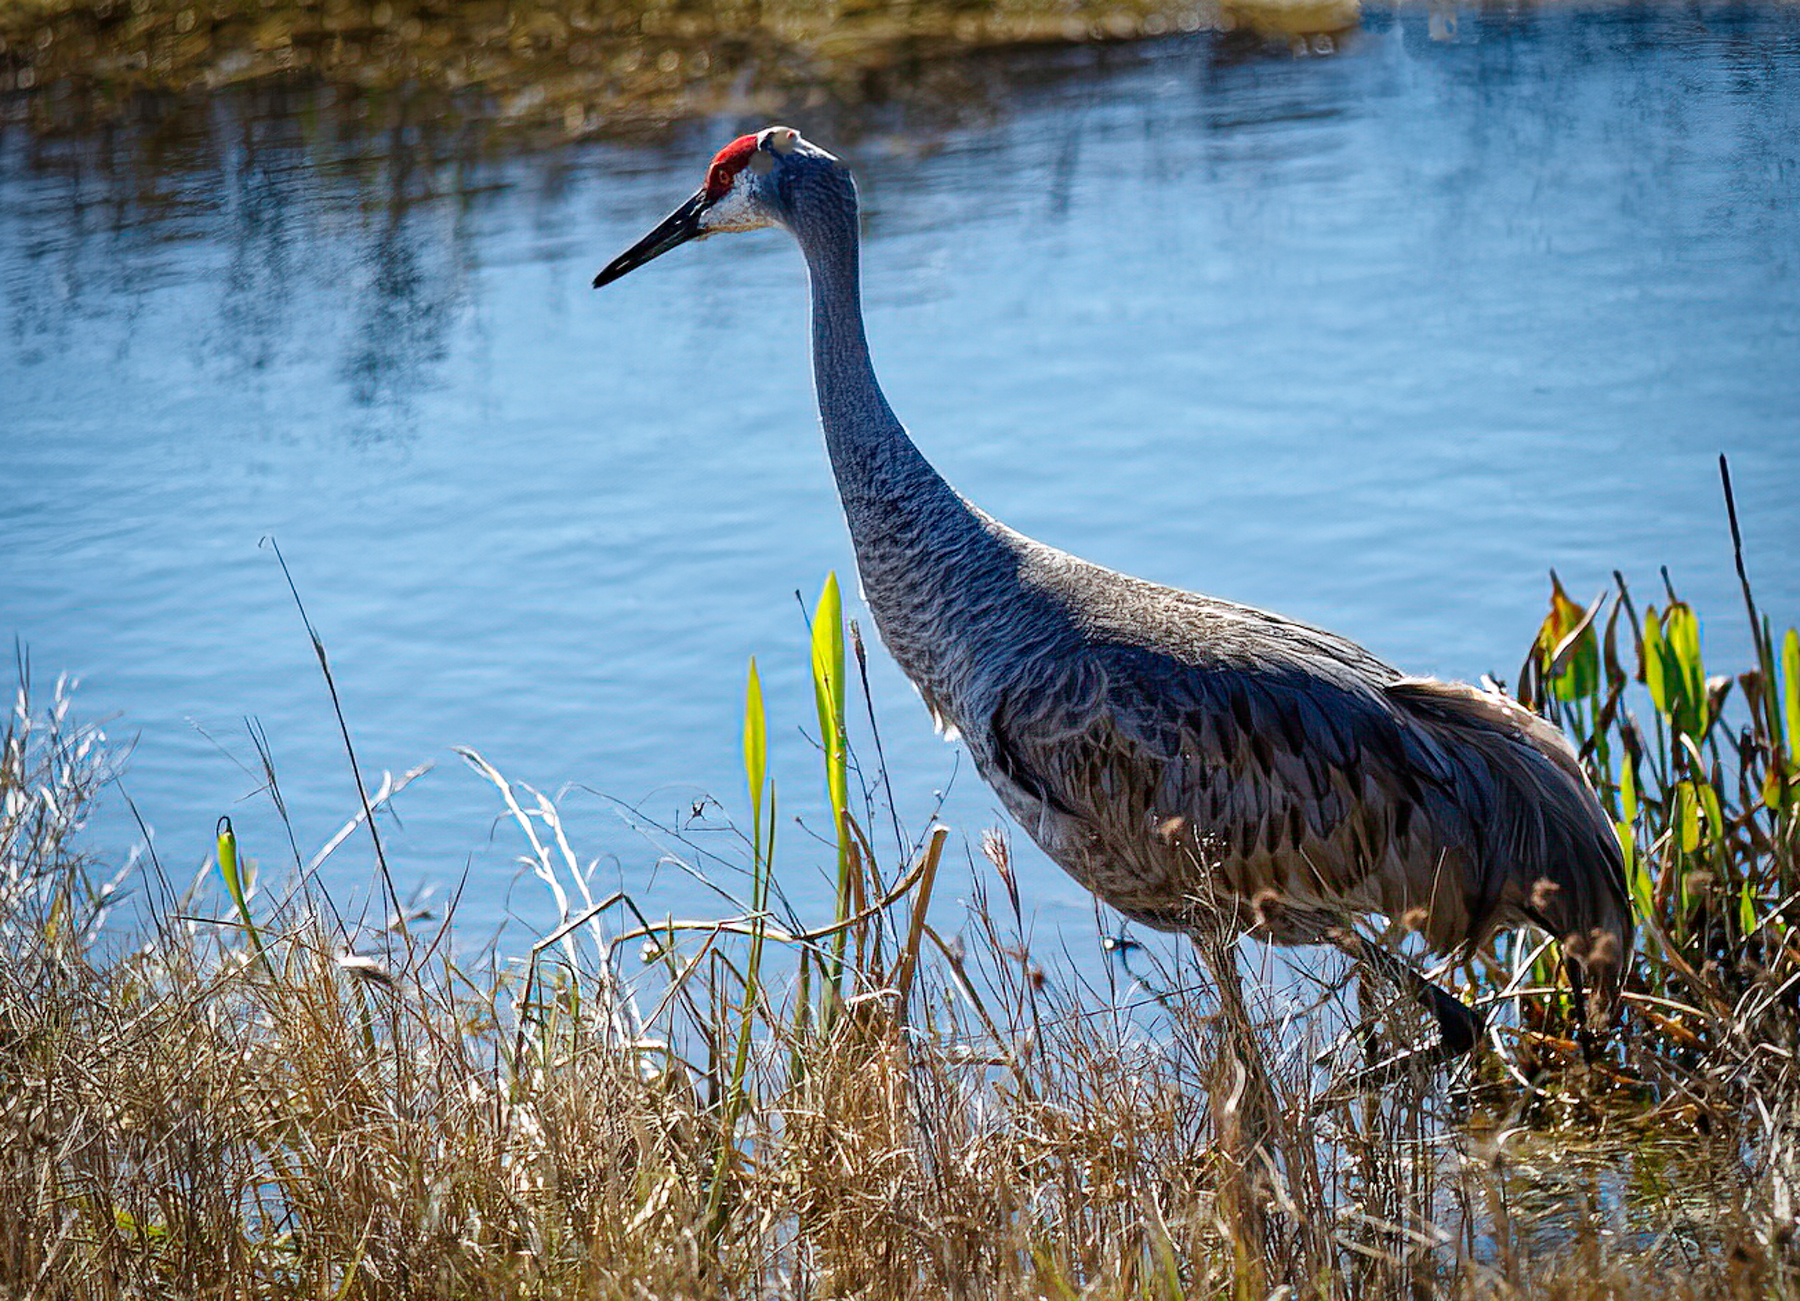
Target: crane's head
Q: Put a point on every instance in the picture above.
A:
(751, 183)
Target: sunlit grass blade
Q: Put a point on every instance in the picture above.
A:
(828, 696)
(762, 845)
(756, 767)
(756, 753)
(828, 689)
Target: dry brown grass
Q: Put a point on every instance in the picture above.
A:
(366, 1115)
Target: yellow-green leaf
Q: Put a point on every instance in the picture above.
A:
(756, 735)
(1628, 792)
(1572, 668)
(235, 873)
(228, 862)
(1682, 636)
(1715, 815)
(1654, 661)
(1643, 893)
(1687, 816)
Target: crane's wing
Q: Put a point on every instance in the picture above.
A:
(1321, 777)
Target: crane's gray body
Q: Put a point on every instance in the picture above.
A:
(1187, 759)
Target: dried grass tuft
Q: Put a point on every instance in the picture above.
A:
(893, 1103)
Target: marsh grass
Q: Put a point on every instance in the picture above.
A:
(240, 1095)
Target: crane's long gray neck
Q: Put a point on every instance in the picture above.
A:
(871, 454)
(927, 559)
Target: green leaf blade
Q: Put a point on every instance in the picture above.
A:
(828, 690)
(1790, 690)
(756, 739)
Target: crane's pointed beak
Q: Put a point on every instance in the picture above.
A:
(677, 228)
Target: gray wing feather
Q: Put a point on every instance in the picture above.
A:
(1337, 787)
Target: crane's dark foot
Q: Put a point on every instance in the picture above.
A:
(1391, 1070)
(1460, 1027)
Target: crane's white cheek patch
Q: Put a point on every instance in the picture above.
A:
(734, 211)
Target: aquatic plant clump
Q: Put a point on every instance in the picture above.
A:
(1701, 773)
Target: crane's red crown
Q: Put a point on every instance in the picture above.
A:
(726, 165)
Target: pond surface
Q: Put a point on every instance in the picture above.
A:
(1373, 339)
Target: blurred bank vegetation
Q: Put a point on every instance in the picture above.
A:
(581, 67)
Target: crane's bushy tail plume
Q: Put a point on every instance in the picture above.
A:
(1546, 851)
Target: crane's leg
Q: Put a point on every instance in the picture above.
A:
(1578, 996)
(1244, 1104)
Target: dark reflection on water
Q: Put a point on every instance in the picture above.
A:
(257, 199)
(1373, 339)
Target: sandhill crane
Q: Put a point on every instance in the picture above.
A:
(1195, 763)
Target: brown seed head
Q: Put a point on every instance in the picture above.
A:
(995, 849)
(1543, 893)
(1603, 950)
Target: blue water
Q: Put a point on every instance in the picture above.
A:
(1373, 339)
